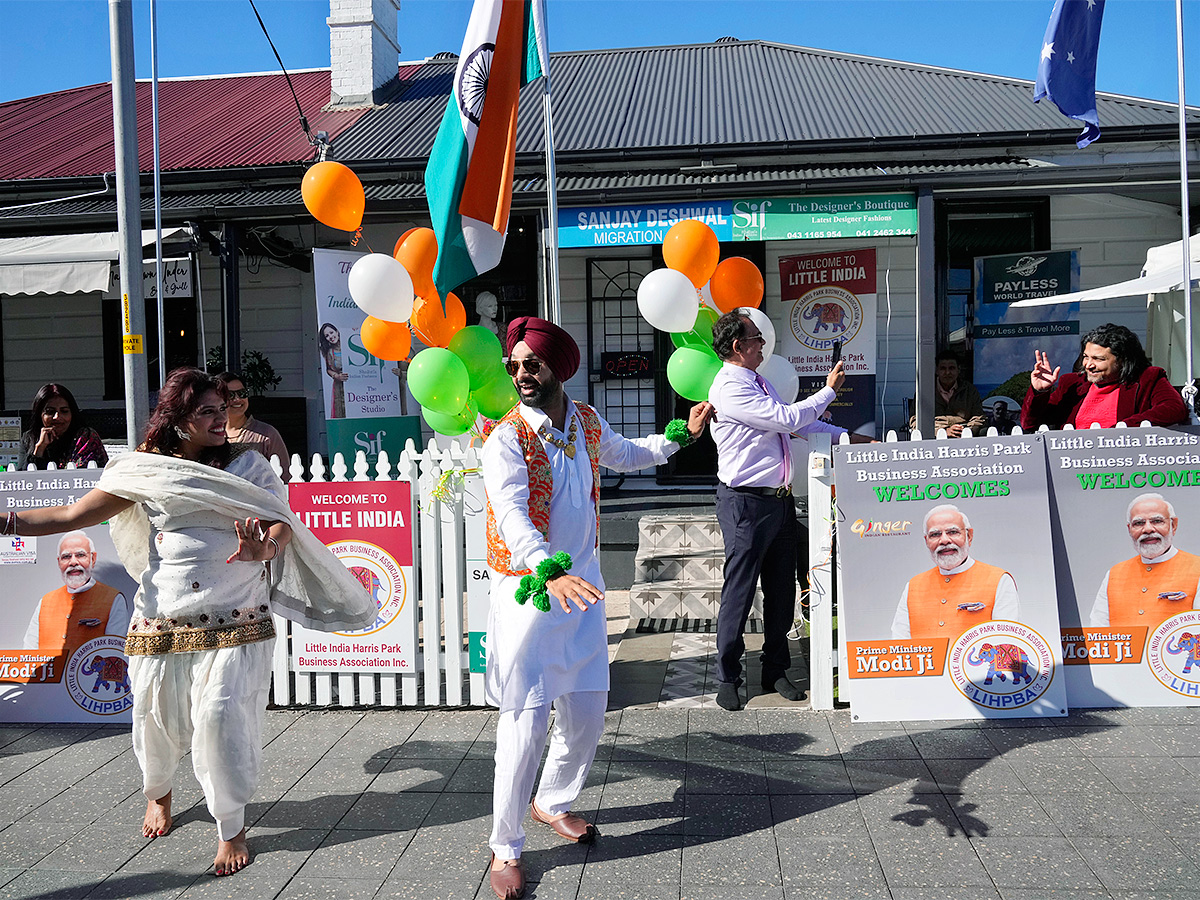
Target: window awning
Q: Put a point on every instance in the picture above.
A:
(64, 263)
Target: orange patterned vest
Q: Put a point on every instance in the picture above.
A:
(934, 598)
(1134, 588)
(541, 484)
(58, 620)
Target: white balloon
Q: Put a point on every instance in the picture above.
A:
(783, 377)
(706, 297)
(382, 287)
(759, 318)
(668, 300)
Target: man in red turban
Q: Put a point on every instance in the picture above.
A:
(546, 644)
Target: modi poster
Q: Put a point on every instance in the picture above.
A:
(67, 603)
(1127, 551)
(948, 607)
(369, 526)
(829, 298)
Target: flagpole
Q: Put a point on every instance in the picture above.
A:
(1189, 388)
(553, 298)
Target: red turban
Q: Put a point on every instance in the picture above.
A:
(548, 342)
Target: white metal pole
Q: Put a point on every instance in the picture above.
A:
(158, 253)
(1189, 389)
(553, 295)
(129, 218)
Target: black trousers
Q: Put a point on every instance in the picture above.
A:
(760, 536)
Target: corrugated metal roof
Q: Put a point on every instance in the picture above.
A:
(411, 192)
(205, 123)
(739, 93)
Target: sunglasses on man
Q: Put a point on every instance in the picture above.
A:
(239, 394)
(532, 365)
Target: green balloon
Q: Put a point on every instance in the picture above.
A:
(687, 339)
(479, 349)
(497, 396)
(705, 319)
(439, 380)
(691, 372)
(452, 425)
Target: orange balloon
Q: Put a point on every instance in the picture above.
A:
(334, 195)
(428, 321)
(692, 248)
(456, 315)
(736, 282)
(386, 340)
(417, 251)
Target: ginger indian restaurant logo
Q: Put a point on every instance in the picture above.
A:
(865, 528)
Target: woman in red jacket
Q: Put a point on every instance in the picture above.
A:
(1113, 382)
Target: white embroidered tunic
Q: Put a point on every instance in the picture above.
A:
(534, 657)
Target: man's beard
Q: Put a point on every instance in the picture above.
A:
(77, 577)
(544, 392)
(952, 559)
(1153, 546)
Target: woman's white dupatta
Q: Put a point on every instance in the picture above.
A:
(309, 585)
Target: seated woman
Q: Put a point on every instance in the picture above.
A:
(205, 529)
(57, 433)
(243, 428)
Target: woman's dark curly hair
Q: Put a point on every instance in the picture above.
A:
(177, 402)
(1124, 345)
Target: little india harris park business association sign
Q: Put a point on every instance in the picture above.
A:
(770, 219)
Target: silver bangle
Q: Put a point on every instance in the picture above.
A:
(10, 524)
(276, 543)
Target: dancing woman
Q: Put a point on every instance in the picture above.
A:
(205, 529)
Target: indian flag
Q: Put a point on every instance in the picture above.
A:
(470, 174)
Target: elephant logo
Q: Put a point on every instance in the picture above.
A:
(1003, 661)
(826, 315)
(1187, 643)
(97, 677)
(1173, 651)
(382, 577)
(1002, 666)
(110, 671)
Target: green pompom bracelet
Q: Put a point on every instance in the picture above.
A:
(677, 431)
(533, 587)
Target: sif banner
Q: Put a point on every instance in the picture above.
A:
(369, 526)
(1127, 550)
(829, 298)
(948, 603)
(67, 602)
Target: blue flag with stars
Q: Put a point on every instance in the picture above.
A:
(1067, 68)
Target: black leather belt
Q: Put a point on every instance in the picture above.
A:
(778, 492)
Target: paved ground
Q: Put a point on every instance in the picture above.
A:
(763, 804)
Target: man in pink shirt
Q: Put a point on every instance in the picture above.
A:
(753, 430)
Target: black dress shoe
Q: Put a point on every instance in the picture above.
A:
(729, 697)
(784, 688)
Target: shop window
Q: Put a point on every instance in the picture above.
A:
(969, 230)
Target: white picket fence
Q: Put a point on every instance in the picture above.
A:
(449, 547)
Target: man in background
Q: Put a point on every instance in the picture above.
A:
(956, 402)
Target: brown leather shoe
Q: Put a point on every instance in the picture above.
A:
(508, 882)
(568, 826)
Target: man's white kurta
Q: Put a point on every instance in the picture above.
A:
(534, 657)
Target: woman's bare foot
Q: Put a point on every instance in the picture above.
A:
(158, 817)
(232, 856)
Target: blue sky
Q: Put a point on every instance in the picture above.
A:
(57, 44)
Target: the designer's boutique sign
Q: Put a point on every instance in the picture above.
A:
(948, 603)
